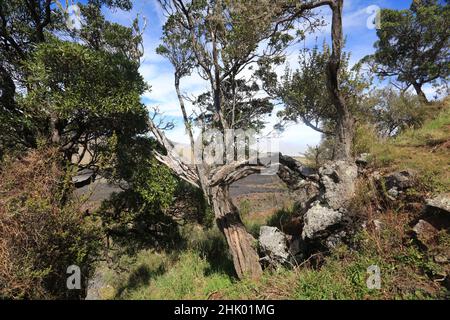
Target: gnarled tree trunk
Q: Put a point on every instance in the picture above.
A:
(240, 242)
(418, 87)
(343, 136)
(344, 124)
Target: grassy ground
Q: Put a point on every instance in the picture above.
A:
(203, 270)
(425, 150)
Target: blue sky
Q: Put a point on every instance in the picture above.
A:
(159, 73)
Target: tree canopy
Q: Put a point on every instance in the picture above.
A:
(305, 95)
(413, 44)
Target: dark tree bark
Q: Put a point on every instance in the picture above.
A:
(418, 87)
(8, 89)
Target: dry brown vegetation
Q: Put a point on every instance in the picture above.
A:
(41, 232)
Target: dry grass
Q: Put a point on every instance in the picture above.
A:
(41, 232)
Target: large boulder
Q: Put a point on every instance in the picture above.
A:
(397, 182)
(274, 246)
(440, 203)
(304, 196)
(425, 233)
(401, 180)
(338, 181)
(318, 219)
(437, 212)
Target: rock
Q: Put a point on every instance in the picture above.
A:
(378, 224)
(400, 180)
(376, 175)
(440, 202)
(425, 232)
(307, 193)
(335, 240)
(338, 180)
(318, 219)
(363, 159)
(437, 212)
(273, 245)
(439, 258)
(295, 166)
(393, 193)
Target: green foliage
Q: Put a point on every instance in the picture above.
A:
(249, 111)
(220, 41)
(316, 156)
(435, 131)
(335, 281)
(413, 44)
(29, 25)
(393, 112)
(187, 278)
(136, 217)
(99, 34)
(244, 207)
(423, 150)
(202, 268)
(305, 95)
(88, 94)
(365, 136)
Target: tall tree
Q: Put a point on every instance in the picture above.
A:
(75, 93)
(344, 128)
(413, 45)
(220, 40)
(81, 97)
(306, 97)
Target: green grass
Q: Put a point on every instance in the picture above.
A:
(188, 276)
(342, 275)
(425, 150)
(203, 268)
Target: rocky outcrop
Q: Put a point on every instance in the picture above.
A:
(278, 248)
(397, 182)
(337, 186)
(433, 223)
(306, 195)
(439, 203)
(425, 233)
(437, 211)
(337, 180)
(273, 246)
(322, 200)
(318, 219)
(335, 239)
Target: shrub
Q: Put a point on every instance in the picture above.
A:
(42, 231)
